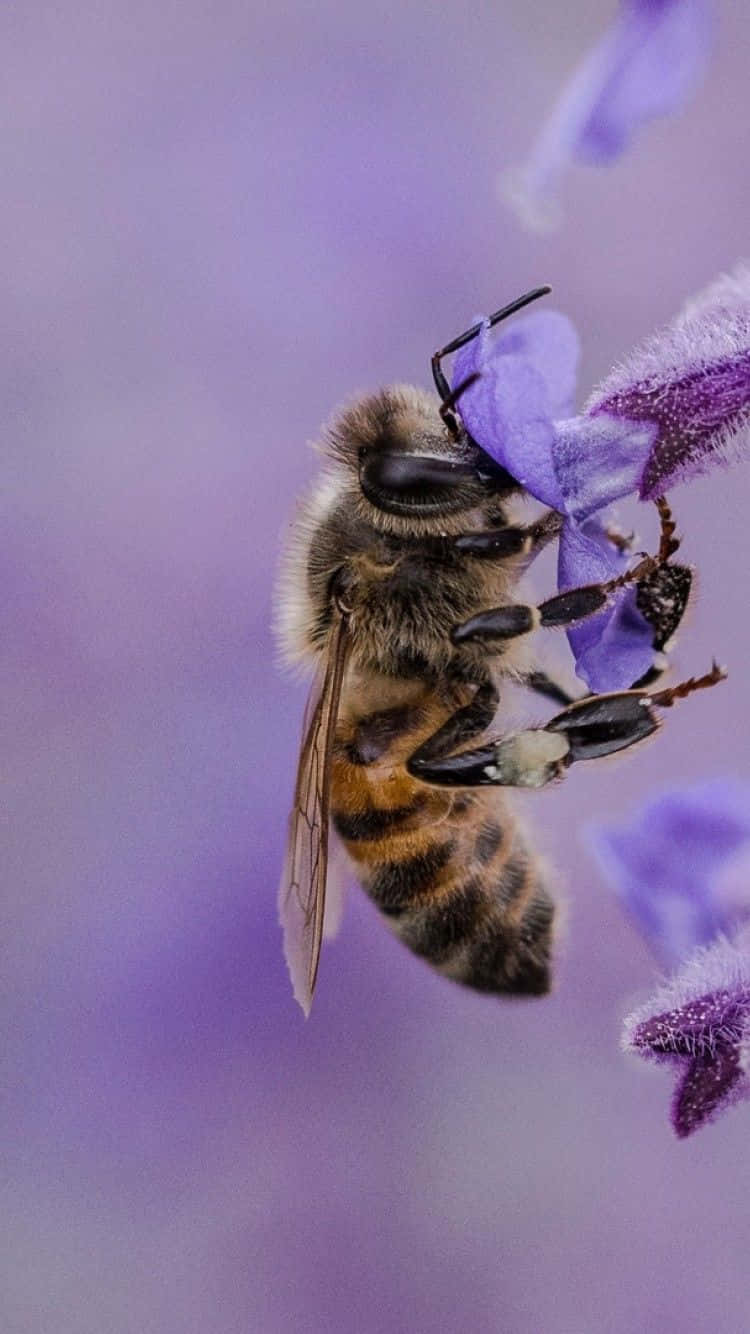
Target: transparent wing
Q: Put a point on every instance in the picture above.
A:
(302, 891)
(340, 874)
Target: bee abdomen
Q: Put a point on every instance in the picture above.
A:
(484, 920)
(436, 932)
(449, 871)
(492, 931)
(375, 823)
(397, 887)
(512, 958)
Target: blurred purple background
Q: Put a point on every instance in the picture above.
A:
(218, 222)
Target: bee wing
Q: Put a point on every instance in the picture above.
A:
(339, 874)
(302, 892)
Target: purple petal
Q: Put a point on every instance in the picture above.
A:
(645, 65)
(731, 887)
(548, 340)
(657, 54)
(670, 864)
(599, 460)
(616, 647)
(527, 377)
(700, 1021)
(721, 971)
(708, 1085)
(691, 384)
(696, 1027)
(476, 404)
(472, 358)
(505, 411)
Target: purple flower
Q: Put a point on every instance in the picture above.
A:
(681, 865)
(646, 65)
(616, 647)
(519, 412)
(527, 380)
(670, 411)
(689, 385)
(700, 1023)
(673, 409)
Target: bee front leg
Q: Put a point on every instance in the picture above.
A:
(499, 543)
(589, 729)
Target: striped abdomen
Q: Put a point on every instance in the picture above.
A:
(448, 869)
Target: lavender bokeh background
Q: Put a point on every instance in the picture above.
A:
(218, 222)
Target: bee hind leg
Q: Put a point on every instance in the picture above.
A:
(462, 726)
(588, 729)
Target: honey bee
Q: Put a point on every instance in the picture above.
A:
(400, 585)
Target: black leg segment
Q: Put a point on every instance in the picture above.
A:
(662, 592)
(662, 599)
(463, 725)
(604, 724)
(497, 543)
(542, 684)
(586, 730)
(516, 619)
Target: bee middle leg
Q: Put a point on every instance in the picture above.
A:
(557, 613)
(662, 593)
(662, 600)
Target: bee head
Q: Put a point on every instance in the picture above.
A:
(406, 460)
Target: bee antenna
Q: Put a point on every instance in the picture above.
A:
(441, 384)
(452, 397)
